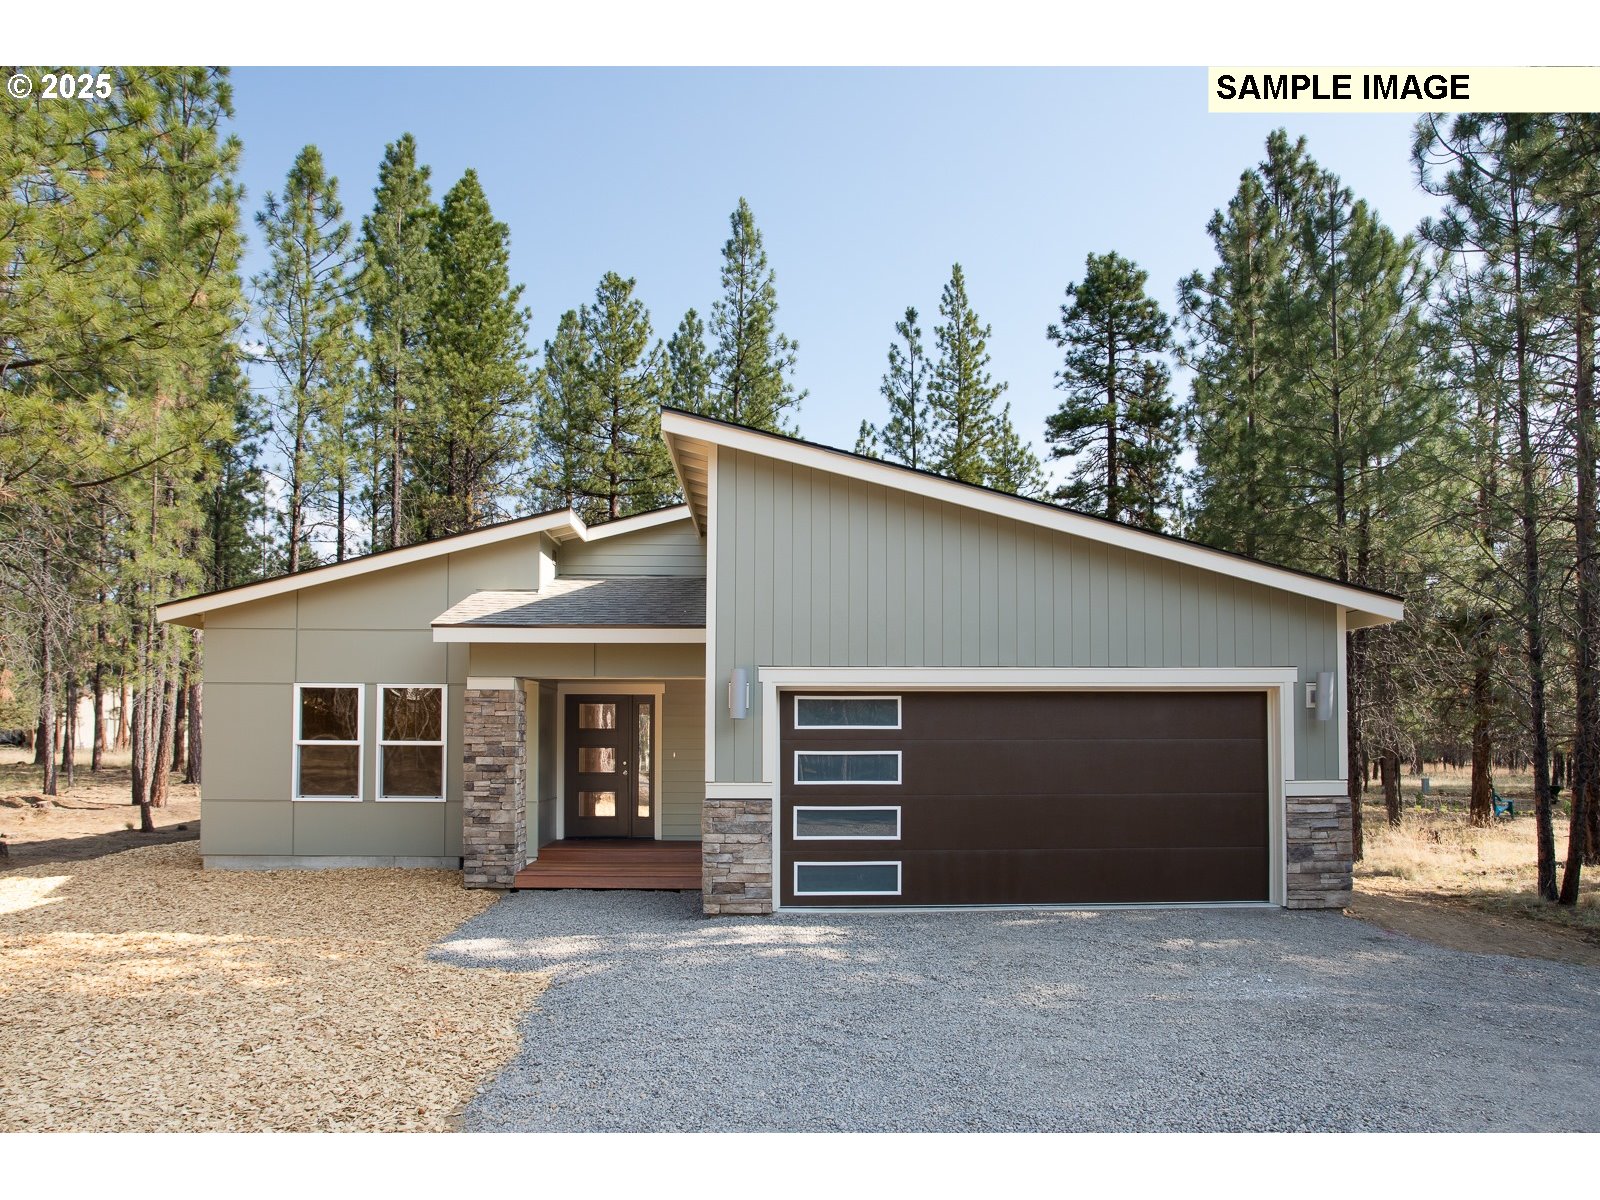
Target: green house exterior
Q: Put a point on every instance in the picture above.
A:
(431, 706)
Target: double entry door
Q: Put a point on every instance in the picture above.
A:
(610, 766)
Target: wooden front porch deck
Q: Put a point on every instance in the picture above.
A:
(632, 863)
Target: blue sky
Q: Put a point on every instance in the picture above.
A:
(867, 185)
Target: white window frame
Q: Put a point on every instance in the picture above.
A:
(360, 744)
(444, 730)
(898, 709)
(899, 763)
(899, 876)
(846, 837)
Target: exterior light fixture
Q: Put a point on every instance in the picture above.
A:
(1324, 695)
(739, 693)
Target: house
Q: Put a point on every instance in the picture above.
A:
(823, 680)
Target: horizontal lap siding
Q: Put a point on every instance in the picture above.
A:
(817, 569)
(674, 549)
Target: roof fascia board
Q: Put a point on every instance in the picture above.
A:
(562, 526)
(649, 520)
(568, 634)
(824, 458)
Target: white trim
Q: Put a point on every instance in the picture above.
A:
(898, 714)
(837, 462)
(1315, 787)
(444, 730)
(492, 683)
(567, 634)
(561, 525)
(814, 751)
(797, 809)
(603, 687)
(1342, 697)
(360, 744)
(740, 791)
(649, 520)
(1276, 683)
(899, 876)
(711, 613)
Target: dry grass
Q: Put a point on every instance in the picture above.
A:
(142, 993)
(1436, 853)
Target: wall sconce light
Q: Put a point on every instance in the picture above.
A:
(1325, 695)
(739, 693)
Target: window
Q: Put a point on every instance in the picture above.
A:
(819, 824)
(327, 743)
(847, 766)
(411, 743)
(847, 879)
(847, 712)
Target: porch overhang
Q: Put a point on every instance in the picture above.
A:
(634, 609)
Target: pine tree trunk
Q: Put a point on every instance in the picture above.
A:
(1585, 794)
(1355, 754)
(69, 734)
(47, 712)
(124, 716)
(97, 753)
(1481, 809)
(1389, 768)
(180, 719)
(191, 772)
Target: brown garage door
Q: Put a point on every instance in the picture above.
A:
(1023, 798)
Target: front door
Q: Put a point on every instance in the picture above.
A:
(610, 775)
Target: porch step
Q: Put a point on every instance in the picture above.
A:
(614, 863)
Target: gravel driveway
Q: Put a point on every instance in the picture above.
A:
(660, 1019)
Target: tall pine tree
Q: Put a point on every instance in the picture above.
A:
(567, 409)
(903, 437)
(1118, 422)
(962, 421)
(752, 364)
(399, 281)
(471, 429)
(689, 366)
(308, 334)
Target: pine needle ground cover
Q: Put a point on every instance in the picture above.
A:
(142, 993)
(1436, 854)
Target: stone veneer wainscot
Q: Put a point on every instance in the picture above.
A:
(736, 856)
(494, 838)
(1321, 852)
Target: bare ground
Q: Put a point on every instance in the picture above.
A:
(91, 818)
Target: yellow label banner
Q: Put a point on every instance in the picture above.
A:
(1403, 89)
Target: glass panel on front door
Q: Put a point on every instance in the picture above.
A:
(610, 766)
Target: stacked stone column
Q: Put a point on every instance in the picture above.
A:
(1321, 850)
(736, 856)
(494, 839)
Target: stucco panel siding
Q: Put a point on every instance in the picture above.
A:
(276, 612)
(674, 549)
(403, 597)
(246, 826)
(382, 655)
(890, 578)
(249, 655)
(683, 759)
(249, 739)
(412, 830)
(503, 566)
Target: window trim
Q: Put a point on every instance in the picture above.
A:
(797, 809)
(899, 876)
(899, 709)
(899, 763)
(360, 744)
(444, 732)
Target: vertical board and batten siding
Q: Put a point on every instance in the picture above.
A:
(815, 569)
(672, 549)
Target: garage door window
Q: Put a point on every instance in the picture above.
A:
(847, 879)
(847, 712)
(847, 766)
(813, 823)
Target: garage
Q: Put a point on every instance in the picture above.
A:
(958, 798)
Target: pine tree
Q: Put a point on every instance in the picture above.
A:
(1014, 467)
(1228, 316)
(631, 471)
(567, 409)
(1118, 422)
(308, 337)
(470, 430)
(962, 421)
(752, 364)
(688, 366)
(399, 280)
(903, 437)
